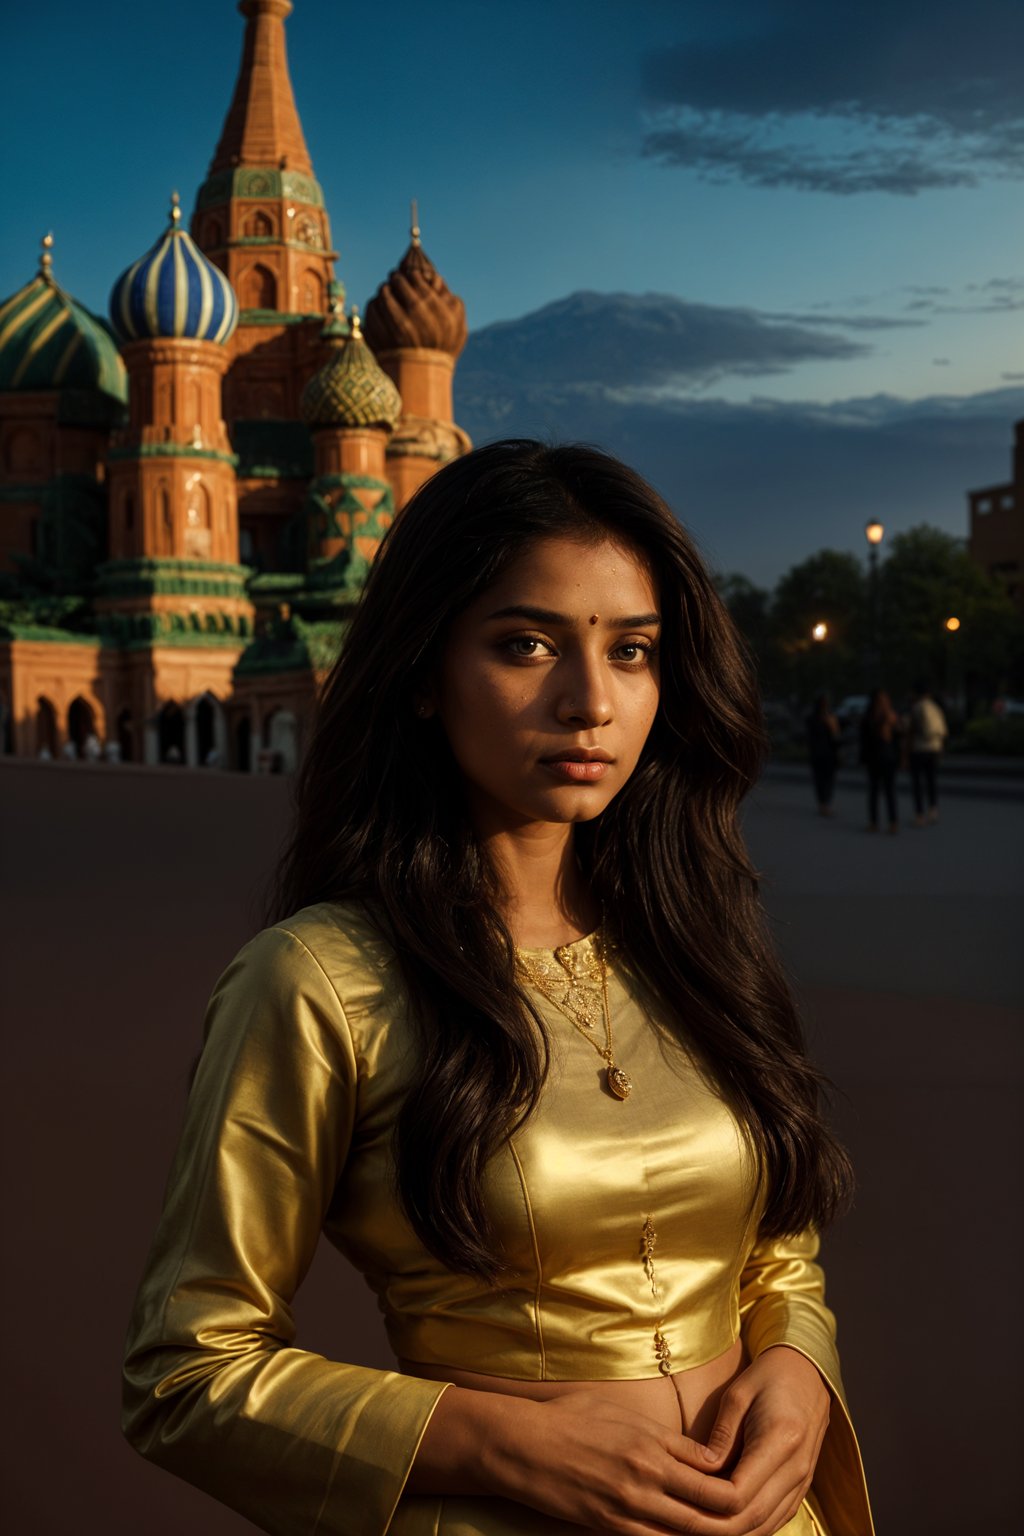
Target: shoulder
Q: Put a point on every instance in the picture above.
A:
(330, 956)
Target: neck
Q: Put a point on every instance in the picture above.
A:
(547, 901)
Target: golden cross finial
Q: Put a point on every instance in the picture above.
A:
(355, 330)
(415, 229)
(175, 209)
(46, 260)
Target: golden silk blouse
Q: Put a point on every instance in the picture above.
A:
(631, 1228)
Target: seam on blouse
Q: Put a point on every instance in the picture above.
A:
(537, 1324)
(350, 1038)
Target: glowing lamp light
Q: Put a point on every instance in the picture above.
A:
(953, 624)
(819, 632)
(874, 532)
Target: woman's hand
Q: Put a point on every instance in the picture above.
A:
(589, 1460)
(769, 1429)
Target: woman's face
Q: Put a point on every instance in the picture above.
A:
(548, 683)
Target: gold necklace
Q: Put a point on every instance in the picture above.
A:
(568, 977)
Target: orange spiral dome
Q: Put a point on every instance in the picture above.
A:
(416, 308)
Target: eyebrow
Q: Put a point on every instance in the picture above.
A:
(550, 616)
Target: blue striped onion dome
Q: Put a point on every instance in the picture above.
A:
(50, 341)
(174, 291)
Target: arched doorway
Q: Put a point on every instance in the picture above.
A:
(243, 745)
(126, 736)
(81, 724)
(46, 728)
(171, 733)
(281, 741)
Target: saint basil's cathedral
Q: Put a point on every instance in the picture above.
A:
(190, 497)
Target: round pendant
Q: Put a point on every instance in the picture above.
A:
(619, 1083)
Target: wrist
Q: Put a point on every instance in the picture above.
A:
(470, 1447)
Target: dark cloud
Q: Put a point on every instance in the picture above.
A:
(762, 484)
(998, 295)
(722, 153)
(930, 91)
(622, 341)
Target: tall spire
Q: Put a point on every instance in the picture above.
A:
(262, 127)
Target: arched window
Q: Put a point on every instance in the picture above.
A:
(257, 288)
(165, 522)
(312, 294)
(212, 236)
(198, 537)
(260, 224)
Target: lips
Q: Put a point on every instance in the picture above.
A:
(579, 755)
(578, 765)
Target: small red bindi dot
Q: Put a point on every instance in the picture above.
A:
(593, 618)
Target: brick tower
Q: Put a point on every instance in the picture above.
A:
(260, 216)
(351, 406)
(172, 595)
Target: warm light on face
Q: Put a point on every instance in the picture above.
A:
(527, 681)
(819, 632)
(953, 624)
(874, 532)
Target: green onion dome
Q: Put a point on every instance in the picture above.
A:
(351, 389)
(49, 341)
(174, 290)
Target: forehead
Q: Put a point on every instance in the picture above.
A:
(577, 571)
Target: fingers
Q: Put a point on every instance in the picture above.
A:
(724, 1438)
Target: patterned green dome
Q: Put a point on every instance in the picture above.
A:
(351, 390)
(48, 341)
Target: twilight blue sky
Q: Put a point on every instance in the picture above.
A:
(767, 249)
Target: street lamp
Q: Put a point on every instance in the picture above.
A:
(819, 632)
(952, 624)
(874, 533)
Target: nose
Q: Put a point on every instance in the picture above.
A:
(585, 699)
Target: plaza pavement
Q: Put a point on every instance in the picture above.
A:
(127, 891)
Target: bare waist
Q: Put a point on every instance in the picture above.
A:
(685, 1399)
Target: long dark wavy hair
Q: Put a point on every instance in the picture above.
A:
(381, 820)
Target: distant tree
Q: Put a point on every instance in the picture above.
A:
(927, 578)
(829, 588)
(750, 608)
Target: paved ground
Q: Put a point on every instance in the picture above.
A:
(127, 891)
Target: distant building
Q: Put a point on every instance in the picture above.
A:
(996, 539)
(191, 498)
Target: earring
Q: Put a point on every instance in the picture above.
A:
(423, 710)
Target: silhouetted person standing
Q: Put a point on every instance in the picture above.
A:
(880, 731)
(928, 732)
(823, 751)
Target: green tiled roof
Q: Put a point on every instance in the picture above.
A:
(48, 341)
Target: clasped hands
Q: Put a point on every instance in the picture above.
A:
(585, 1459)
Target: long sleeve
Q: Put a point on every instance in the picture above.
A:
(214, 1389)
(782, 1301)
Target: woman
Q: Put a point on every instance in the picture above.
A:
(519, 1044)
(823, 751)
(880, 732)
